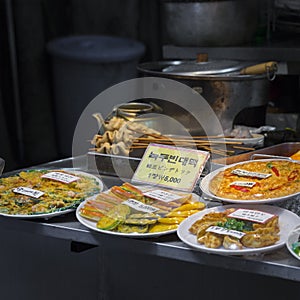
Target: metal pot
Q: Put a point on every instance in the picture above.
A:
(149, 113)
(235, 98)
(132, 110)
(209, 23)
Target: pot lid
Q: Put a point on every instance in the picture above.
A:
(210, 67)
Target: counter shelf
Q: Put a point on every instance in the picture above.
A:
(279, 264)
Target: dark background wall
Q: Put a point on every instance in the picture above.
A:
(27, 118)
(26, 98)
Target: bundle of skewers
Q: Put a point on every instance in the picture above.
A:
(213, 144)
(121, 137)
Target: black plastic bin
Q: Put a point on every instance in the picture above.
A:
(84, 66)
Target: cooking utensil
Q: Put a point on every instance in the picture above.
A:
(209, 23)
(270, 68)
(234, 97)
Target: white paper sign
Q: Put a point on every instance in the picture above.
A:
(28, 192)
(248, 184)
(245, 173)
(140, 206)
(225, 231)
(162, 195)
(251, 215)
(60, 176)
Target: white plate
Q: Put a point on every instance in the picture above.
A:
(92, 225)
(57, 212)
(287, 221)
(45, 216)
(293, 236)
(204, 186)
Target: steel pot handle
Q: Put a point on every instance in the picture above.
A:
(270, 68)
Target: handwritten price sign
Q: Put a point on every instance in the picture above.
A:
(171, 167)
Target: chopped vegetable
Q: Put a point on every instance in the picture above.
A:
(119, 212)
(171, 220)
(190, 206)
(296, 247)
(133, 190)
(131, 221)
(107, 223)
(91, 214)
(274, 169)
(162, 227)
(123, 228)
(240, 188)
(183, 213)
(118, 191)
(293, 175)
(234, 224)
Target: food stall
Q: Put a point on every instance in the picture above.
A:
(81, 259)
(181, 192)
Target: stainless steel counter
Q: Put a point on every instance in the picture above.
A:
(276, 264)
(279, 264)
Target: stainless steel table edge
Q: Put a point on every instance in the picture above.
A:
(278, 264)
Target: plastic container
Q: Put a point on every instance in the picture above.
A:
(84, 66)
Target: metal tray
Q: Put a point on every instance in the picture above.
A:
(113, 165)
(282, 150)
(124, 167)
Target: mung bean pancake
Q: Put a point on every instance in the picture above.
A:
(33, 192)
(254, 180)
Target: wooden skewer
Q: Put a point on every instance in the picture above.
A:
(140, 144)
(175, 140)
(243, 148)
(191, 143)
(155, 138)
(218, 151)
(138, 147)
(207, 136)
(173, 143)
(204, 147)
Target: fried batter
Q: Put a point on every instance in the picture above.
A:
(256, 236)
(211, 240)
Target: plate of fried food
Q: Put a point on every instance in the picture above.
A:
(256, 181)
(45, 193)
(137, 211)
(293, 241)
(238, 229)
